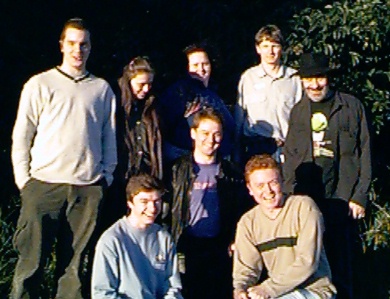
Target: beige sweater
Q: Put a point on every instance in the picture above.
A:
(289, 247)
(64, 131)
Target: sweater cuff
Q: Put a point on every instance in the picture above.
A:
(269, 290)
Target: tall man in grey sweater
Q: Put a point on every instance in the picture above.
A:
(63, 154)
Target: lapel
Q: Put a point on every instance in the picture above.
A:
(335, 122)
(305, 128)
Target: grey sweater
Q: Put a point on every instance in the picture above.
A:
(136, 264)
(65, 130)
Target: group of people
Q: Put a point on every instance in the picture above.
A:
(300, 149)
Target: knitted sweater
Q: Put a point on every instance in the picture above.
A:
(289, 247)
(65, 130)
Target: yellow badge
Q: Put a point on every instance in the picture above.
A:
(318, 122)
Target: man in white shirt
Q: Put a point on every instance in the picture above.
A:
(266, 94)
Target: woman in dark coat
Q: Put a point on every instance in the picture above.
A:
(139, 139)
(138, 136)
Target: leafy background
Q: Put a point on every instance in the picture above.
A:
(355, 34)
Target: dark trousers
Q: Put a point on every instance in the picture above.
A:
(64, 212)
(341, 242)
(208, 268)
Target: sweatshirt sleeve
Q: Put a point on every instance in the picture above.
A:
(109, 137)
(105, 273)
(30, 106)
(173, 276)
(308, 251)
(247, 261)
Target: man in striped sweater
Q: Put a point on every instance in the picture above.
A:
(280, 237)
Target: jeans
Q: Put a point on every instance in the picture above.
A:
(300, 294)
(64, 212)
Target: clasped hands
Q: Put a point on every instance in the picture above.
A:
(256, 292)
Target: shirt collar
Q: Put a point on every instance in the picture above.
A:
(284, 72)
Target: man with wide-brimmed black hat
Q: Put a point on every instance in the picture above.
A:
(327, 155)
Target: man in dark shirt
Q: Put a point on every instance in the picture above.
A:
(327, 156)
(208, 197)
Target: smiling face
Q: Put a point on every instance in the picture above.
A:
(270, 52)
(145, 207)
(199, 66)
(316, 88)
(207, 138)
(265, 185)
(75, 47)
(141, 84)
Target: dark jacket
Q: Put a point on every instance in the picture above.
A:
(171, 108)
(351, 146)
(131, 162)
(234, 199)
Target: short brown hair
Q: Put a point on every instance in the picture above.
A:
(271, 33)
(193, 48)
(259, 162)
(143, 183)
(76, 23)
(206, 113)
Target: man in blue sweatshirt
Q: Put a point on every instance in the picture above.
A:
(136, 258)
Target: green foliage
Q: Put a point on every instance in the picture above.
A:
(356, 37)
(378, 234)
(7, 254)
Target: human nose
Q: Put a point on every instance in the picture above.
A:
(315, 83)
(77, 47)
(211, 138)
(146, 87)
(267, 187)
(200, 68)
(152, 206)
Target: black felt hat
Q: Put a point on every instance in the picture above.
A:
(312, 64)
